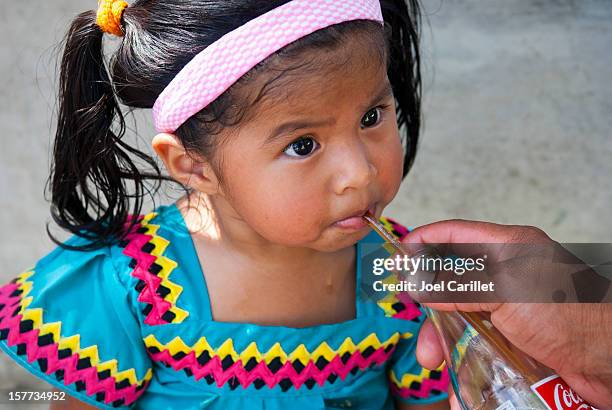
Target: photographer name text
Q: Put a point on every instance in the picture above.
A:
(442, 286)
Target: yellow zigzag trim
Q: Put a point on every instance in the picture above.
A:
(167, 264)
(408, 378)
(72, 342)
(300, 353)
(390, 298)
(390, 228)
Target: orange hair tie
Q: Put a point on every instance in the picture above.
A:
(109, 16)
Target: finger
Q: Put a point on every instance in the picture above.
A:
(460, 231)
(463, 307)
(429, 351)
(460, 238)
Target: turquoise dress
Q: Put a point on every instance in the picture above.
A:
(130, 326)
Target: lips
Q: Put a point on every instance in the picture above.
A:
(360, 213)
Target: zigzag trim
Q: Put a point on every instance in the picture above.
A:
(397, 304)
(274, 367)
(153, 269)
(460, 348)
(419, 386)
(397, 229)
(60, 355)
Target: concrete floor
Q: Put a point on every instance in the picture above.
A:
(518, 120)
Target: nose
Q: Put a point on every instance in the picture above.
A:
(353, 169)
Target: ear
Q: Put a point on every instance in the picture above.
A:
(198, 175)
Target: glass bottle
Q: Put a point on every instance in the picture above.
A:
(488, 373)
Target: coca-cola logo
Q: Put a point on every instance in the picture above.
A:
(565, 398)
(557, 395)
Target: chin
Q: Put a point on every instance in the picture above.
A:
(348, 239)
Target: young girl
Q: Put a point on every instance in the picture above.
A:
(279, 120)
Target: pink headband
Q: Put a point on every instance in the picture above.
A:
(215, 69)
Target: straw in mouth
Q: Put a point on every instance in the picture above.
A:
(382, 231)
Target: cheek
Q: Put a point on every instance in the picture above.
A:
(390, 163)
(280, 206)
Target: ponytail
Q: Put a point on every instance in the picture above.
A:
(90, 161)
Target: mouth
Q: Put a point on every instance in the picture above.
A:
(355, 220)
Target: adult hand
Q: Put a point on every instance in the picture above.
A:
(574, 339)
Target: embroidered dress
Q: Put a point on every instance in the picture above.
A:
(130, 325)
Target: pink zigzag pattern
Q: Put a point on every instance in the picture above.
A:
(427, 385)
(50, 352)
(399, 228)
(144, 261)
(411, 310)
(261, 371)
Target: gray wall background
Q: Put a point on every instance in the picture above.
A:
(517, 108)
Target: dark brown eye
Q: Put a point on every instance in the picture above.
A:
(301, 147)
(371, 118)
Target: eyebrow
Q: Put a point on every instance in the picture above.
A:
(291, 126)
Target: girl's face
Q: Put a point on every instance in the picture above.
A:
(326, 149)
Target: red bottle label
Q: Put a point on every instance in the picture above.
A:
(557, 395)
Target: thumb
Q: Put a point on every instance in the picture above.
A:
(457, 231)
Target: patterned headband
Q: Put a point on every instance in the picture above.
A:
(215, 69)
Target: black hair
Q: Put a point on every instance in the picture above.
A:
(92, 164)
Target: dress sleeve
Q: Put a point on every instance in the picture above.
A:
(408, 380)
(68, 321)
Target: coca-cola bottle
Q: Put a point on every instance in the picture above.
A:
(488, 373)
